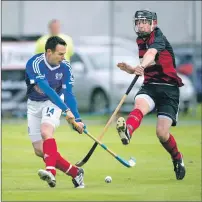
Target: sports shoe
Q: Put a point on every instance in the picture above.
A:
(48, 177)
(123, 131)
(78, 180)
(179, 168)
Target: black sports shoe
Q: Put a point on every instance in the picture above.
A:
(123, 131)
(179, 168)
(78, 180)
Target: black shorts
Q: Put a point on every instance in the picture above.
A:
(165, 97)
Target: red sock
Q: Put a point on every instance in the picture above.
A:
(50, 154)
(171, 146)
(65, 166)
(134, 120)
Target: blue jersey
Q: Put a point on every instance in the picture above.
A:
(59, 78)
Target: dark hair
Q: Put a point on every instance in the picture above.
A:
(53, 41)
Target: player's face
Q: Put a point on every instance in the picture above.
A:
(55, 28)
(143, 26)
(58, 55)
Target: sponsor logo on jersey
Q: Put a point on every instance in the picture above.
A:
(40, 76)
(58, 76)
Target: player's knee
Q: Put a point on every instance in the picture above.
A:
(45, 135)
(47, 131)
(142, 105)
(162, 132)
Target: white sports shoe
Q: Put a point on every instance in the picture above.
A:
(48, 177)
(123, 131)
(78, 180)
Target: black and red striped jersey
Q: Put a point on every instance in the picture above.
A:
(163, 70)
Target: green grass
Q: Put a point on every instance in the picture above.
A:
(151, 179)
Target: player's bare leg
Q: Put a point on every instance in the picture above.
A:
(126, 128)
(168, 142)
(38, 148)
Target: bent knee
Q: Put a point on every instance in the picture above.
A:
(144, 103)
(47, 131)
(162, 133)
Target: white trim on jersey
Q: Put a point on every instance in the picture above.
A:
(36, 63)
(70, 70)
(67, 63)
(32, 81)
(49, 67)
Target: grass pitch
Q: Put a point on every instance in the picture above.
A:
(152, 178)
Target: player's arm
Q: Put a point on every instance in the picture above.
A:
(149, 57)
(70, 99)
(44, 86)
(155, 48)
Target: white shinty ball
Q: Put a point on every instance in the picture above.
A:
(108, 179)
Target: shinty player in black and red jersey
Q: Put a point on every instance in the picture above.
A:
(160, 89)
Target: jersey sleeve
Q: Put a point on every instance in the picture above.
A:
(158, 42)
(67, 85)
(34, 72)
(68, 77)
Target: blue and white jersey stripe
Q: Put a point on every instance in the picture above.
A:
(36, 63)
(67, 63)
(70, 71)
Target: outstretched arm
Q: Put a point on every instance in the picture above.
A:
(149, 57)
(125, 67)
(71, 102)
(70, 99)
(156, 47)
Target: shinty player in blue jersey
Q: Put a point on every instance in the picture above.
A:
(49, 82)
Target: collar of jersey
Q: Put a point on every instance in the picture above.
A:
(49, 67)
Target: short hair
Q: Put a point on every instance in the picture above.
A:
(53, 41)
